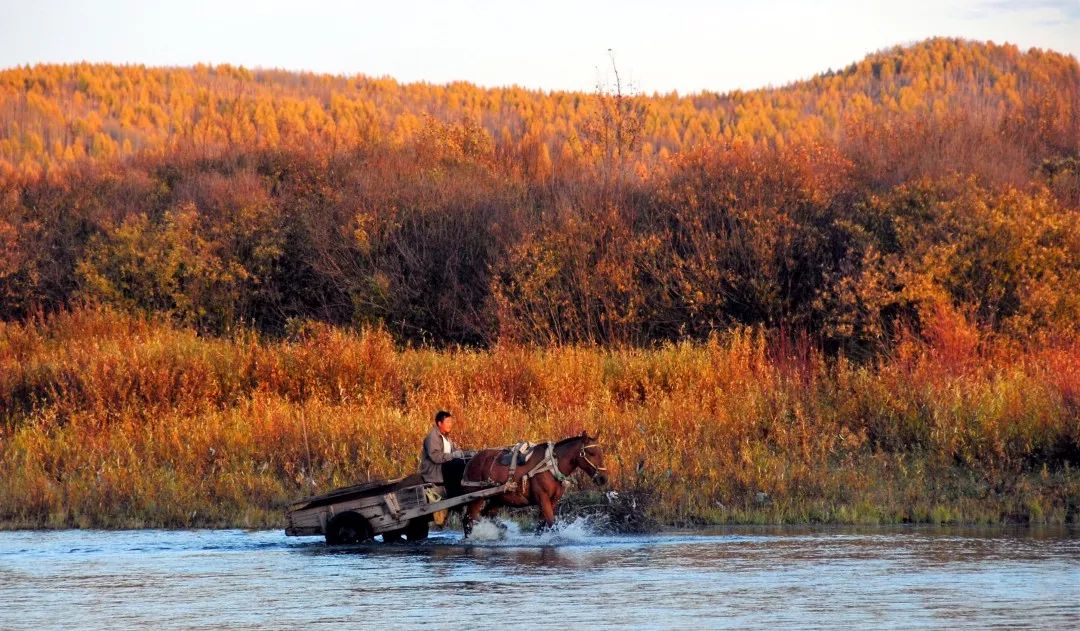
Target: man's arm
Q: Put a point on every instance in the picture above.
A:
(433, 449)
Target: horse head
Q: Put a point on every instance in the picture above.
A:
(590, 459)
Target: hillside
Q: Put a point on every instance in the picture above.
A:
(58, 114)
(850, 205)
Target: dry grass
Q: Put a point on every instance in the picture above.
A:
(109, 420)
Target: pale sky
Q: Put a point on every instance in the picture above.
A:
(664, 45)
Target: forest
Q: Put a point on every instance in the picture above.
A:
(861, 291)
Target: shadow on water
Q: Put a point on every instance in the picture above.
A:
(734, 548)
(437, 553)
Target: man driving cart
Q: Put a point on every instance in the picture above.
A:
(441, 462)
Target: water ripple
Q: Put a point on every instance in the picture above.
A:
(572, 577)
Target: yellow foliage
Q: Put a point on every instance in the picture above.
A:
(119, 421)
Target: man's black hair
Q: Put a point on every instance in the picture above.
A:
(440, 415)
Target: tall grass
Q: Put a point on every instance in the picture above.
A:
(111, 420)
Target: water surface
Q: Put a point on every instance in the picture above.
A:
(575, 578)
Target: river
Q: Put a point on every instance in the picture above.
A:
(574, 578)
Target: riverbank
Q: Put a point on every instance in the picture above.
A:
(112, 421)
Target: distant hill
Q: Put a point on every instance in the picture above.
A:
(52, 114)
(938, 182)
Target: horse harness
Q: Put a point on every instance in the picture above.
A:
(548, 463)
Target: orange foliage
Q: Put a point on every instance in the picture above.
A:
(54, 115)
(111, 420)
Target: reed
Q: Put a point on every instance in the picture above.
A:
(111, 420)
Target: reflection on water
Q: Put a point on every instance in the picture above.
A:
(572, 578)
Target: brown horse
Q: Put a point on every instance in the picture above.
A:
(540, 479)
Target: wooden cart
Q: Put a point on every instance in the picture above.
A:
(401, 507)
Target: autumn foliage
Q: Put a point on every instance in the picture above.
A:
(846, 205)
(120, 421)
(867, 280)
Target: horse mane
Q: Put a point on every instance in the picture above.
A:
(567, 441)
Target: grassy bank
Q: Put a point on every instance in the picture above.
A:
(108, 420)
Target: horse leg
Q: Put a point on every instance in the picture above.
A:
(492, 512)
(547, 513)
(468, 519)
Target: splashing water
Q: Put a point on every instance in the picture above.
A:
(502, 532)
(487, 530)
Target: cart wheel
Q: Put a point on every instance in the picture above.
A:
(393, 536)
(417, 530)
(348, 528)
